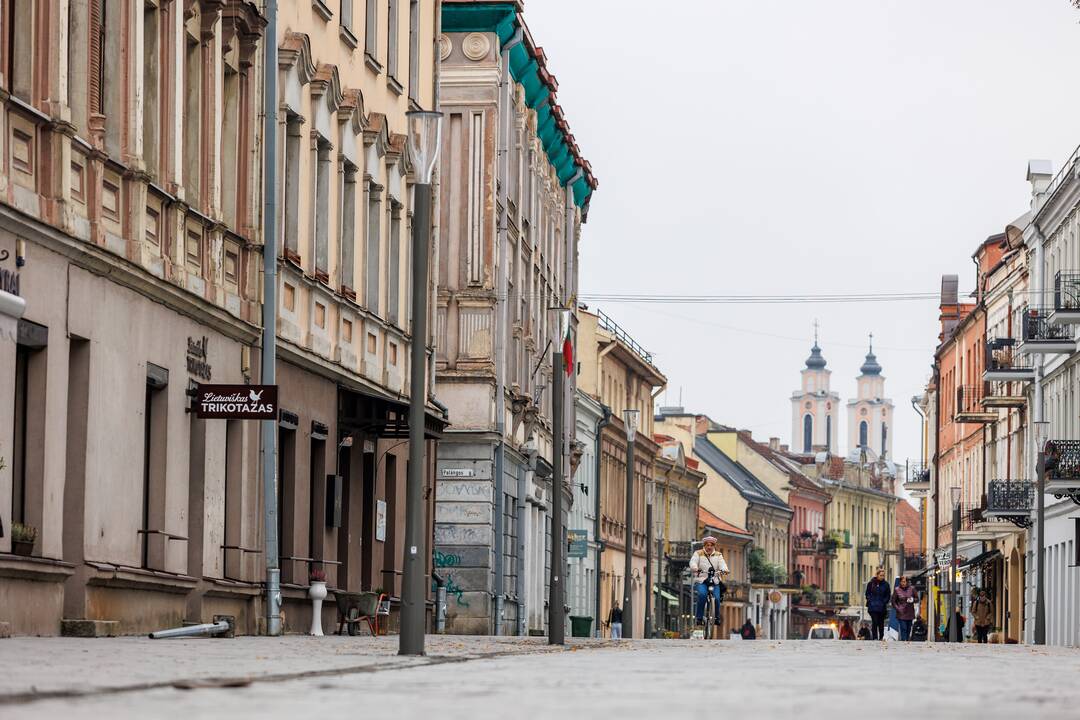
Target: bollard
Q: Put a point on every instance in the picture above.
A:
(440, 603)
(223, 626)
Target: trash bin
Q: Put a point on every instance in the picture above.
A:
(580, 626)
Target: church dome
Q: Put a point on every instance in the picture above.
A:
(815, 361)
(870, 366)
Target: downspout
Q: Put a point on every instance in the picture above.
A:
(922, 464)
(601, 423)
(502, 313)
(523, 506)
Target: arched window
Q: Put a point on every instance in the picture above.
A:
(828, 432)
(884, 438)
(863, 430)
(807, 433)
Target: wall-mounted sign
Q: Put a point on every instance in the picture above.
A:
(236, 402)
(458, 473)
(577, 542)
(196, 358)
(380, 520)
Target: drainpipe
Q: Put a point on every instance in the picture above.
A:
(922, 464)
(524, 473)
(502, 313)
(601, 423)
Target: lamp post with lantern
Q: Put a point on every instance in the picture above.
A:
(954, 497)
(630, 421)
(425, 128)
(1042, 436)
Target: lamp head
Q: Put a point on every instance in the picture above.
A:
(630, 419)
(425, 130)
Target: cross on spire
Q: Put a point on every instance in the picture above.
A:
(815, 330)
(871, 342)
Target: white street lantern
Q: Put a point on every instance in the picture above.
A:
(425, 130)
(630, 419)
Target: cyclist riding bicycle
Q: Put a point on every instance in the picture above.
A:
(707, 567)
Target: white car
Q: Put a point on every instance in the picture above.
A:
(823, 631)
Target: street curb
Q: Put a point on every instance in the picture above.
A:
(22, 698)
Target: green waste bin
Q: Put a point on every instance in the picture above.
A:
(580, 626)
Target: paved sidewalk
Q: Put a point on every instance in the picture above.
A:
(75, 666)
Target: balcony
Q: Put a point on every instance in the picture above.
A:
(680, 551)
(1066, 298)
(969, 406)
(1010, 500)
(835, 599)
(917, 478)
(812, 545)
(1004, 363)
(1041, 337)
(914, 562)
(1063, 469)
(1003, 395)
(872, 543)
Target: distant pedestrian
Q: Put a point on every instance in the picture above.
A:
(846, 631)
(905, 599)
(864, 632)
(747, 631)
(615, 621)
(982, 612)
(918, 629)
(877, 603)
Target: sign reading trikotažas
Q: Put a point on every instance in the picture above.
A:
(236, 402)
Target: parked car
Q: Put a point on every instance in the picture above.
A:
(823, 631)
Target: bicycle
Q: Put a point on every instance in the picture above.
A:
(710, 603)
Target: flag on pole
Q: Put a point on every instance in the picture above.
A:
(567, 343)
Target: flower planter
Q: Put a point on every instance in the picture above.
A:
(21, 547)
(317, 593)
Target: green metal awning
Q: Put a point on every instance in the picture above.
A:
(672, 600)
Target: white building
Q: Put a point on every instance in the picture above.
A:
(581, 581)
(815, 408)
(870, 414)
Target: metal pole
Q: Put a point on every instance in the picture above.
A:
(648, 569)
(268, 359)
(414, 591)
(556, 592)
(953, 589)
(1040, 562)
(628, 568)
(603, 422)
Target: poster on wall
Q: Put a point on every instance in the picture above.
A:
(380, 520)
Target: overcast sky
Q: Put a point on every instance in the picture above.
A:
(788, 147)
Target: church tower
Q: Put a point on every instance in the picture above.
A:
(815, 409)
(870, 414)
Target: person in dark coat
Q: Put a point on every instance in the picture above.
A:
(747, 631)
(878, 594)
(960, 622)
(846, 633)
(864, 632)
(905, 600)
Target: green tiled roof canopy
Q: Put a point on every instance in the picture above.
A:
(527, 68)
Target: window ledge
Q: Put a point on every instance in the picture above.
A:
(394, 85)
(347, 37)
(320, 7)
(34, 568)
(121, 576)
(372, 63)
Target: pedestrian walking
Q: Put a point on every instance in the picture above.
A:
(877, 603)
(615, 621)
(982, 612)
(905, 599)
(747, 631)
(846, 631)
(864, 632)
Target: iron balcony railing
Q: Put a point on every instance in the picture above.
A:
(1010, 496)
(916, 472)
(835, 599)
(606, 323)
(1063, 460)
(1067, 290)
(969, 399)
(1037, 328)
(1065, 172)
(680, 550)
(870, 542)
(914, 561)
(1001, 356)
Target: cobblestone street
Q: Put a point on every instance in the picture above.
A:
(489, 678)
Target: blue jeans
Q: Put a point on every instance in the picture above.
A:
(702, 592)
(905, 629)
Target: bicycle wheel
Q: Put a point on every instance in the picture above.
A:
(710, 616)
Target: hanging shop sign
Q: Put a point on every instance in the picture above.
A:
(236, 402)
(577, 542)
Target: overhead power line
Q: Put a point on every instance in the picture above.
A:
(666, 299)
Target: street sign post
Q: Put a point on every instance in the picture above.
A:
(577, 543)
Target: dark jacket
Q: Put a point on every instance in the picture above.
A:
(615, 616)
(748, 632)
(877, 595)
(905, 600)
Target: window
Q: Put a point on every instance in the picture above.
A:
(155, 458)
(346, 331)
(320, 315)
(193, 251)
(152, 220)
(290, 207)
(884, 439)
(232, 265)
(322, 210)
(286, 498)
(231, 155)
(371, 260)
(808, 433)
(20, 48)
(393, 290)
(79, 13)
(317, 499)
(828, 432)
(288, 297)
(370, 40)
(347, 242)
(151, 122)
(192, 114)
(863, 430)
(392, 38)
(346, 14)
(414, 50)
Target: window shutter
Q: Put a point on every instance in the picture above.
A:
(97, 51)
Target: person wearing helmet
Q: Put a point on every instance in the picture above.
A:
(707, 566)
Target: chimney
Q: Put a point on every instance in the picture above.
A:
(783, 448)
(1039, 174)
(774, 443)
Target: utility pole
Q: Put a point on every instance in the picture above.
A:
(556, 588)
(953, 587)
(1041, 432)
(424, 133)
(268, 359)
(648, 561)
(630, 418)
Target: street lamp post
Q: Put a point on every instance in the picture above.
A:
(954, 495)
(1042, 436)
(424, 133)
(630, 420)
(650, 488)
(556, 584)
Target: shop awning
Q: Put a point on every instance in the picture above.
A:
(672, 600)
(981, 559)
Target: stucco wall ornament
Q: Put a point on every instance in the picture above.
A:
(475, 46)
(445, 47)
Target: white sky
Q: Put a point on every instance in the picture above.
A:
(788, 147)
